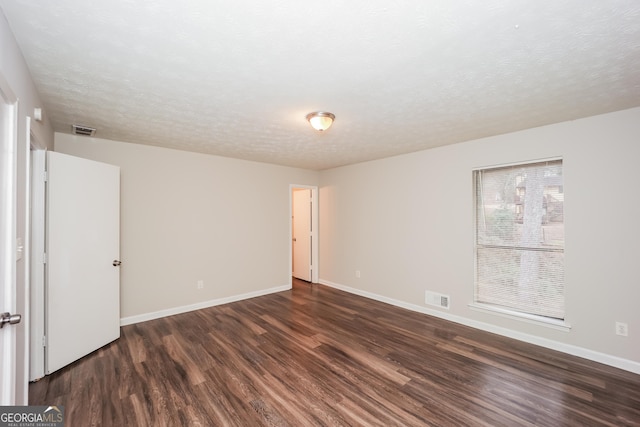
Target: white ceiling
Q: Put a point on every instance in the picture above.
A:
(236, 78)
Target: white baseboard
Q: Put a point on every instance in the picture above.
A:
(607, 359)
(200, 305)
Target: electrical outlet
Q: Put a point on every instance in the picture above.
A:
(200, 284)
(357, 274)
(622, 329)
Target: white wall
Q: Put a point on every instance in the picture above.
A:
(407, 224)
(15, 71)
(187, 217)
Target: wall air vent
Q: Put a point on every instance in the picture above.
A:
(439, 300)
(82, 130)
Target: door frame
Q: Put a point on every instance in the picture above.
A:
(23, 267)
(314, 231)
(37, 252)
(9, 387)
(301, 246)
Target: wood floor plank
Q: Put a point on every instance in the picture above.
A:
(316, 356)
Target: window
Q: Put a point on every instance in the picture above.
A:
(520, 238)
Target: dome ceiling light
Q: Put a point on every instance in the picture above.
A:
(320, 120)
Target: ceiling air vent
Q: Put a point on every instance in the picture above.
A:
(82, 130)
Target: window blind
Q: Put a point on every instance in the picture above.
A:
(520, 238)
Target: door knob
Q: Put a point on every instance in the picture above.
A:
(9, 318)
(116, 263)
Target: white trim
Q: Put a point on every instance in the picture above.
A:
(607, 359)
(315, 246)
(514, 164)
(8, 257)
(547, 322)
(24, 168)
(198, 306)
(38, 220)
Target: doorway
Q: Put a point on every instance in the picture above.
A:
(13, 382)
(303, 229)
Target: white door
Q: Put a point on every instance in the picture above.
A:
(302, 234)
(83, 274)
(8, 244)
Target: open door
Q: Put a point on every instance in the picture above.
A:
(83, 273)
(301, 218)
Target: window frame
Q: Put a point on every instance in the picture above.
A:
(498, 310)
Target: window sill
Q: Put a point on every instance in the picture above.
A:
(561, 325)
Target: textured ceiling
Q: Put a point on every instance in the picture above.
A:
(236, 78)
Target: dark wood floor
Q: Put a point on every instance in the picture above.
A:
(319, 356)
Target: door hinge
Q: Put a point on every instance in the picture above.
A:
(44, 340)
(45, 176)
(44, 258)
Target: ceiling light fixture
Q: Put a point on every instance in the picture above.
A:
(320, 120)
